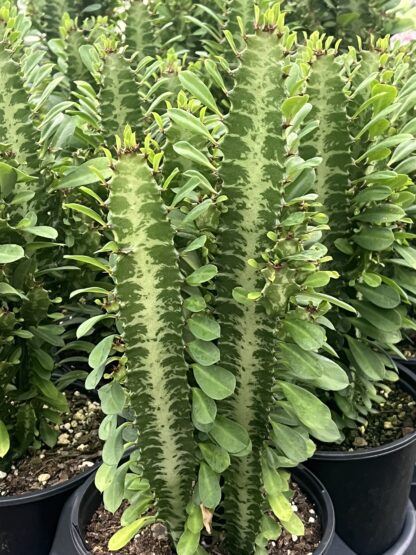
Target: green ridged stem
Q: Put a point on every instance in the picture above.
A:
(332, 141)
(141, 32)
(148, 287)
(16, 127)
(251, 172)
(118, 97)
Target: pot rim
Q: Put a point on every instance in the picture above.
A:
(307, 481)
(316, 492)
(56, 489)
(39, 495)
(407, 377)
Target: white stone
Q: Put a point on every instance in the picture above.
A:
(43, 478)
(86, 464)
(63, 439)
(3, 475)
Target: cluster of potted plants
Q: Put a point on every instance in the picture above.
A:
(207, 278)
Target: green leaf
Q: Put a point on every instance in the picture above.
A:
(112, 397)
(303, 363)
(85, 174)
(188, 543)
(196, 87)
(270, 529)
(372, 194)
(42, 231)
(87, 326)
(280, 506)
(7, 290)
(196, 244)
(87, 212)
(89, 260)
(94, 290)
(367, 360)
(4, 440)
(215, 381)
(195, 304)
(204, 409)
(307, 335)
(10, 253)
(98, 356)
(114, 448)
(140, 504)
(332, 378)
(311, 412)
(292, 105)
(216, 457)
(122, 537)
(204, 352)
(198, 211)
(209, 486)
(291, 442)
(204, 327)
(229, 435)
(381, 214)
(381, 318)
(188, 151)
(188, 121)
(294, 525)
(114, 494)
(272, 481)
(382, 296)
(374, 238)
(202, 275)
(104, 477)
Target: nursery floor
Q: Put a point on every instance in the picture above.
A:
(154, 540)
(78, 449)
(395, 419)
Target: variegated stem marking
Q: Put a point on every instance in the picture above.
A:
(251, 172)
(148, 286)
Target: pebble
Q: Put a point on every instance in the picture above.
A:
(311, 519)
(63, 439)
(159, 531)
(82, 447)
(3, 475)
(79, 415)
(78, 435)
(294, 538)
(67, 426)
(86, 464)
(43, 478)
(74, 423)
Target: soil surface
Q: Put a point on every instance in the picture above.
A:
(154, 540)
(395, 419)
(78, 448)
(408, 347)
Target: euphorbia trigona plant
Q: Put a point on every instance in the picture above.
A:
(208, 269)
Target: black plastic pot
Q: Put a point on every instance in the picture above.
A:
(413, 490)
(370, 488)
(405, 545)
(81, 506)
(28, 522)
(409, 363)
